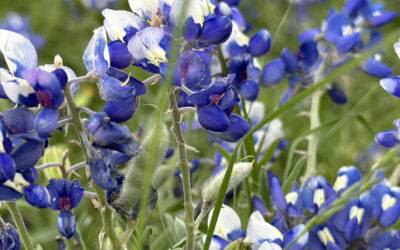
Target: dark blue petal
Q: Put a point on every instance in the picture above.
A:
(61, 76)
(120, 111)
(113, 91)
(213, 93)
(308, 54)
(249, 90)
(291, 64)
(352, 230)
(10, 239)
(219, 242)
(120, 57)
(273, 72)
(27, 154)
(101, 174)
(65, 194)
(292, 234)
(346, 43)
(30, 175)
(260, 43)
(213, 118)
(46, 122)
(8, 194)
(37, 196)
(216, 30)
(377, 68)
(391, 85)
(66, 224)
(238, 127)
(381, 19)
(232, 2)
(337, 94)
(7, 168)
(191, 70)
(19, 120)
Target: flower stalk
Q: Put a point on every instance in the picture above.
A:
(19, 222)
(184, 165)
(105, 210)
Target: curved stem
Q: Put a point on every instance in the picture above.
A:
(185, 171)
(128, 232)
(105, 210)
(19, 222)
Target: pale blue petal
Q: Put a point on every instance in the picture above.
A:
(96, 57)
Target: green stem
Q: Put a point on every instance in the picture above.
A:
(19, 222)
(128, 232)
(311, 168)
(185, 171)
(105, 210)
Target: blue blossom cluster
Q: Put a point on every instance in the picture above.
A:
(357, 225)
(341, 37)
(24, 134)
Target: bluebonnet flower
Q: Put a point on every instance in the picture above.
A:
(9, 238)
(259, 233)
(65, 196)
(20, 24)
(341, 36)
(99, 4)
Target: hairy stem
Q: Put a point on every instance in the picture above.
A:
(19, 222)
(315, 122)
(185, 171)
(105, 210)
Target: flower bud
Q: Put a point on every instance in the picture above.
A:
(260, 43)
(133, 183)
(239, 173)
(216, 30)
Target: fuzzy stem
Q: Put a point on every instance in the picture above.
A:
(311, 168)
(105, 210)
(185, 171)
(19, 222)
(130, 228)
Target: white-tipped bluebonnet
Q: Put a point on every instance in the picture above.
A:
(315, 192)
(347, 176)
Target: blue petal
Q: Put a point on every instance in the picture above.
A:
(7, 168)
(206, 96)
(213, 118)
(65, 194)
(113, 91)
(62, 77)
(347, 43)
(191, 70)
(352, 7)
(308, 54)
(259, 205)
(291, 64)
(390, 215)
(273, 72)
(277, 195)
(216, 30)
(66, 224)
(381, 19)
(337, 94)
(334, 26)
(47, 87)
(18, 51)
(309, 35)
(238, 127)
(19, 120)
(96, 56)
(260, 43)
(10, 239)
(191, 30)
(17, 89)
(120, 111)
(391, 85)
(37, 196)
(27, 154)
(289, 236)
(8, 194)
(377, 68)
(46, 122)
(120, 57)
(249, 90)
(101, 174)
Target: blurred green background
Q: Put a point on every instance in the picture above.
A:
(68, 30)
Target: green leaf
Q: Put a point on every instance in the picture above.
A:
(294, 174)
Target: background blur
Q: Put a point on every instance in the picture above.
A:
(67, 25)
